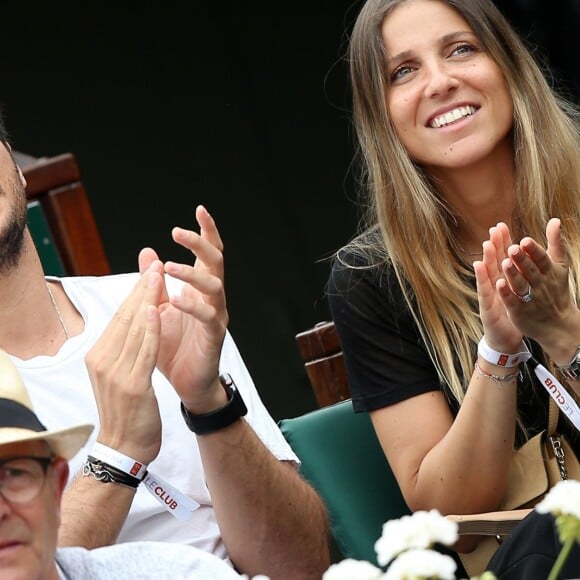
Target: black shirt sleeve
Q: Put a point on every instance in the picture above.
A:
(386, 359)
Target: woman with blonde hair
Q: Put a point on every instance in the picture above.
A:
(469, 257)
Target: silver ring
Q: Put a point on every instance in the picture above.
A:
(527, 297)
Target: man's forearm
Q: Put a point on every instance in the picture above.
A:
(93, 512)
(271, 520)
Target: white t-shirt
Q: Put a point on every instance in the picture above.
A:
(141, 560)
(62, 396)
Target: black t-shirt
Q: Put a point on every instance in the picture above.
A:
(386, 358)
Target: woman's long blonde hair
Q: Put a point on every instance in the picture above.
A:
(415, 226)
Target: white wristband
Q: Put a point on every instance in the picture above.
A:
(116, 459)
(176, 503)
(501, 359)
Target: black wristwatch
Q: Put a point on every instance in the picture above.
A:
(220, 418)
(571, 371)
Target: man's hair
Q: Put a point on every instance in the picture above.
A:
(403, 205)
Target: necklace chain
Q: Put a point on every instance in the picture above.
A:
(468, 253)
(57, 310)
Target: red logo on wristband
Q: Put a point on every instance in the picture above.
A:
(502, 360)
(136, 467)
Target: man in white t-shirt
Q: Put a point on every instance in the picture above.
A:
(220, 476)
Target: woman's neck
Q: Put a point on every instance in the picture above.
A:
(480, 197)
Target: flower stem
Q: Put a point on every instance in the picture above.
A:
(562, 556)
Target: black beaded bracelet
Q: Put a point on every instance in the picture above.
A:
(106, 473)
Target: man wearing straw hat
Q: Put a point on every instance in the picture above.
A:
(33, 474)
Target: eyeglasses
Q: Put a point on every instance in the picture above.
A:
(22, 478)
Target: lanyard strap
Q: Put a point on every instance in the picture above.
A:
(176, 503)
(558, 392)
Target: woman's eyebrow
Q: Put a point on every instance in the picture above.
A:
(402, 56)
(446, 38)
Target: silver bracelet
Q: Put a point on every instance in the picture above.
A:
(107, 474)
(497, 379)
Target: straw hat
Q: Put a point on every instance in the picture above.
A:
(18, 422)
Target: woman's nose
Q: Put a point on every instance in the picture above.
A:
(439, 80)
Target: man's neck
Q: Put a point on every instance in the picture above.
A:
(29, 321)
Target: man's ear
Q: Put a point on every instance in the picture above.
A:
(21, 176)
(60, 471)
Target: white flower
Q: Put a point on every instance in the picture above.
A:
(562, 499)
(419, 564)
(350, 569)
(420, 530)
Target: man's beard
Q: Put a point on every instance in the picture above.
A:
(12, 236)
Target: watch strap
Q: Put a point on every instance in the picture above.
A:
(571, 371)
(216, 420)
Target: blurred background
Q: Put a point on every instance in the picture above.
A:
(243, 107)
